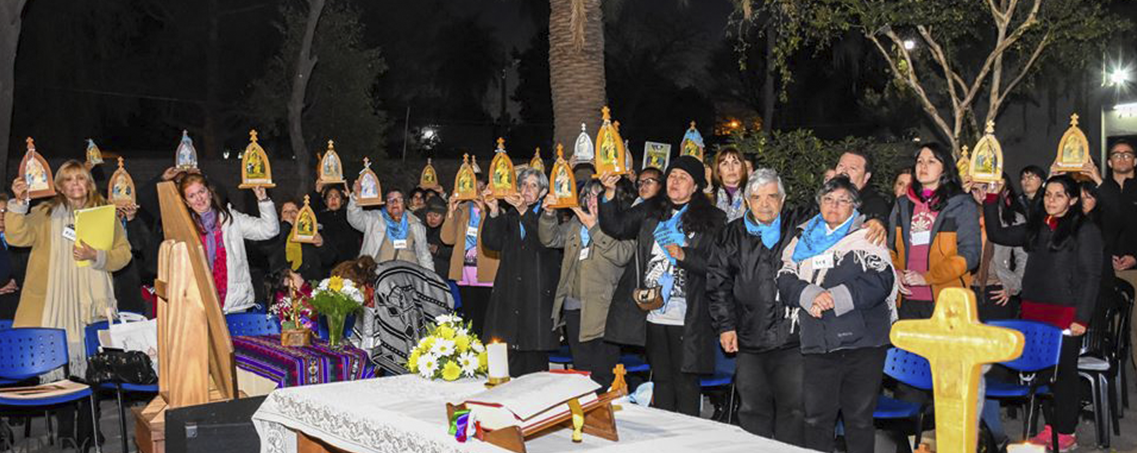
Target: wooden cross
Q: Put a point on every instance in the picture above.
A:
(956, 345)
(1074, 120)
(119, 161)
(990, 127)
(331, 145)
(560, 151)
(366, 163)
(253, 135)
(604, 113)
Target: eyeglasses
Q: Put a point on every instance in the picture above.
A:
(646, 181)
(1121, 156)
(836, 201)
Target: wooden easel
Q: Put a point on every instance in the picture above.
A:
(195, 353)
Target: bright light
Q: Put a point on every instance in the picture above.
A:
(909, 44)
(1119, 76)
(734, 124)
(428, 133)
(225, 154)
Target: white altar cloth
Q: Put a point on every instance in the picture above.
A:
(408, 414)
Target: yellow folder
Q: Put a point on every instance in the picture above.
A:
(95, 227)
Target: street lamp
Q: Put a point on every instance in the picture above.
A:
(909, 44)
(1119, 76)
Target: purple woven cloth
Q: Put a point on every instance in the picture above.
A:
(290, 366)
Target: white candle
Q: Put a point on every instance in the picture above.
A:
(497, 358)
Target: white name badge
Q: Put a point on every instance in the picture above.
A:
(69, 233)
(584, 253)
(823, 261)
(922, 238)
(472, 231)
(399, 244)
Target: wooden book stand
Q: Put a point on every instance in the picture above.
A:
(195, 353)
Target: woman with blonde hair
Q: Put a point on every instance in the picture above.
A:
(70, 296)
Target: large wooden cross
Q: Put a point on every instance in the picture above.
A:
(956, 345)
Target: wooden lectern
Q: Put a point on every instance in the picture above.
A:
(195, 354)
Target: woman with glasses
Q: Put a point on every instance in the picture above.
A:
(390, 233)
(846, 288)
(934, 233)
(648, 183)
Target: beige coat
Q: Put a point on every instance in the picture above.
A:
(599, 272)
(23, 229)
(454, 233)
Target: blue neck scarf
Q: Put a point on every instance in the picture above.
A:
(770, 234)
(816, 239)
(521, 223)
(475, 220)
(670, 231)
(395, 230)
(585, 237)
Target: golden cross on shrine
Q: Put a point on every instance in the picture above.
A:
(253, 135)
(31, 144)
(331, 145)
(560, 151)
(306, 198)
(501, 144)
(956, 345)
(604, 112)
(537, 152)
(119, 161)
(465, 159)
(366, 163)
(1074, 120)
(990, 127)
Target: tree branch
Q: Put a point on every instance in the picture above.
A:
(913, 83)
(949, 76)
(1022, 73)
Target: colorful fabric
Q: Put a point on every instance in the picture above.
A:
(923, 219)
(770, 234)
(220, 265)
(290, 366)
(816, 237)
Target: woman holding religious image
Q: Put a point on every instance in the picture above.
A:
(934, 233)
(674, 234)
(223, 232)
(62, 294)
(390, 233)
(1060, 286)
(846, 288)
(750, 319)
(590, 270)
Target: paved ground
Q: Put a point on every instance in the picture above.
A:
(1127, 442)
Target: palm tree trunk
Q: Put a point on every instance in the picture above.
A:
(576, 68)
(10, 22)
(305, 63)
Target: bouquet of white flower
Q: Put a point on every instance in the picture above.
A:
(449, 351)
(336, 298)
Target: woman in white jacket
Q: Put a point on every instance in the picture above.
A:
(223, 232)
(390, 233)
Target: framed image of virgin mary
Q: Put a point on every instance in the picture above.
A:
(36, 172)
(1073, 149)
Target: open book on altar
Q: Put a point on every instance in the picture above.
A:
(532, 399)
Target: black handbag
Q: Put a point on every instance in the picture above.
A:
(123, 367)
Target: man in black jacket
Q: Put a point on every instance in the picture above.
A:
(750, 319)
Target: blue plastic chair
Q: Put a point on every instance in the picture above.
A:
(723, 376)
(27, 353)
(252, 324)
(5, 324)
(455, 294)
(634, 363)
(563, 356)
(91, 346)
(913, 370)
(1040, 353)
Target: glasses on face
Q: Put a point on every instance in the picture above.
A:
(836, 201)
(1121, 156)
(646, 181)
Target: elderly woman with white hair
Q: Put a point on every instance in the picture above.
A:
(521, 305)
(749, 318)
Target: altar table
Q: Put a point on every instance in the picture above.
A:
(289, 366)
(408, 414)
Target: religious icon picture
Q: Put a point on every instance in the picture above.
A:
(987, 158)
(583, 151)
(305, 228)
(656, 155)
(429, 177)
(35, 171)
(503, 180)
(120, 191)
(368, 190)
(536, 162)
(94, 154)
(1073, 148)
(692, 144)
(564, 186)
(465, 182)
(611, 157)
(331, 168)
(186, 155)
(255, 168)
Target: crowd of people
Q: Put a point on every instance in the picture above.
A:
(677, 262)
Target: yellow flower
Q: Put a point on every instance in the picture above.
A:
(483, 361)
(412, 361)
(426, 343)
(462, 343)
(451, 371)
(335, 283)
(445, 332)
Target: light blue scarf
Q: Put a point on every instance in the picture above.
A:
(475, 220)
(395, 230)
(585, 237)
(770, 234)
(670, 231)
(816, 239)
